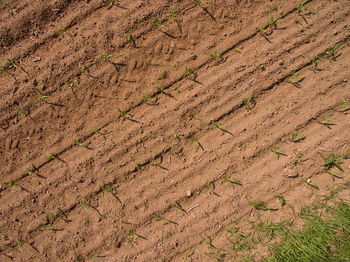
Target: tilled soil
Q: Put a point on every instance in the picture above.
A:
(112, 151)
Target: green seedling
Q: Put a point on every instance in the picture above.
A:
(164, 220)
(263, 27)
(210, 186)
(295, 136)
(84, 204)
(309, 182)
(188, 72)
(300, 6)
(9, 184)
(281, 200)
(194, 140)
(145, 98)
(31, 170)
(158, 23)
(106, 57)
(217, 125)
(314, 61)
(216, 55)
(50, 156)
(260, 205)
(76, 141)
(20, 111)
(277, 151)
(247, 101)
(153, 158)
(19, 244)
(335, 174)
(2, 68)
(233, 181)
(42, 228)
(5, 4)
(122, 113)
(82, 69)
(274, 21)
(160, 89)
(292, 79)
(331, 51)
(332, 161)
(238, 50)
(62, 29)
(105, 189)
(96, 130)
(344, 104)
(12, 62)
(127, 37)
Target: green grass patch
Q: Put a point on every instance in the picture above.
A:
(322, 239)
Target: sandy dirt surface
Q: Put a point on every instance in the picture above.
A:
(164, 178)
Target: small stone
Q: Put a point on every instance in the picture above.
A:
(189, 193)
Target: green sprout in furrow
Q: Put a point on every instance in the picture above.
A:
(274, 21)
(122, 113)
(260, 205)
(62, 30)
(5, 4)
(216, 55)
(292, 79)
(106, 57)
(332, 50)
(145, 98)
(281, 200)
(189, 72)
(233, 181)
(262, 29)
(12, 62)
(164, 220)
(332, 161)
(157, 23)
(194, 140)
(300, 6)
(310, 183)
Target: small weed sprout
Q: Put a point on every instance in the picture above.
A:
(76, 142)
(50, 156)
(263, 27)
(122, 113)
(105, 189)
(157, 23)
(233, 181)
(274, 21)
(96, 130)
(153, 158)
(5, 4)
(300, 6)
(281, 200)
(216, 55)
(62, 30)
(194, 140)
(84, 204)
(2, 68)
(332, 161)
(160, 89)
(188, 72)
(106, 57)
(20, 110)
(260, 205)
(145, 98)
(292, 79)
(309, 182)
(295, 135)
(164, 220)
(331, 51)
(12, 62)
(248, 101)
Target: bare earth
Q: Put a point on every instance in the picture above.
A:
(79, 181)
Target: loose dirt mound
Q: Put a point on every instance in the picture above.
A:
(142, 131)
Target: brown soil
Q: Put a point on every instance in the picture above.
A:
(80, 182)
